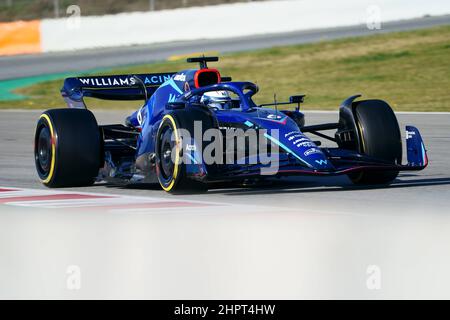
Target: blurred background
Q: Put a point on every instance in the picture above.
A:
(398, 47)
(11, 10)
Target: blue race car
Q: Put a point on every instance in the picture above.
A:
(197, 127)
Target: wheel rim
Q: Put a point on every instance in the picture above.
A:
(166, 148)
(44, 151)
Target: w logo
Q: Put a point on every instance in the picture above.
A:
(321, 162)
(172, 98)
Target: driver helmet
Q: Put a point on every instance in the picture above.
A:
(216, 99)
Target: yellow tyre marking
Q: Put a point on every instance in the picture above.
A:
(177, 155)
(53, 141)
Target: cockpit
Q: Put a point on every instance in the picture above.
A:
(220, 100)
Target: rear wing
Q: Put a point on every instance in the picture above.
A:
(116, 87)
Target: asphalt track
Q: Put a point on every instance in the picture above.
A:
(36, 65)
(297, 238)
(17, 166)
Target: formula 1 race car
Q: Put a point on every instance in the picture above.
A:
(165, 141)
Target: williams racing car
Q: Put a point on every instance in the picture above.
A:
(164, 142)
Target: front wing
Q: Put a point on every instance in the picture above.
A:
(344, 162)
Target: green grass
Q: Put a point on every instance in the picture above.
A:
(410, 70)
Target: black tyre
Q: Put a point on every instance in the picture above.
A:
(380, 137)
(170, 169)
(67, 148)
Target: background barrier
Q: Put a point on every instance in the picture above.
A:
(77, 32)
(20, 37)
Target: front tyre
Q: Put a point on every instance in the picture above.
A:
(379, 136)
(67, 148)
(170, 167)
(169, 146)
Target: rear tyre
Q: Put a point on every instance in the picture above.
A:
(380, 137)
(171, 170)
(67, 148)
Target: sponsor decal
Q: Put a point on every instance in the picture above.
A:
(409, 134)
(306, 144)
(108, 81)
(119, 81)
(291, 133)
(191, 147)
(297, 135)
(300, 138)
(180, 77)
(156, 79)
(322, 162)
(274, 117)
(312, 151)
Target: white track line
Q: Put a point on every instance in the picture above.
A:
(64, 199)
